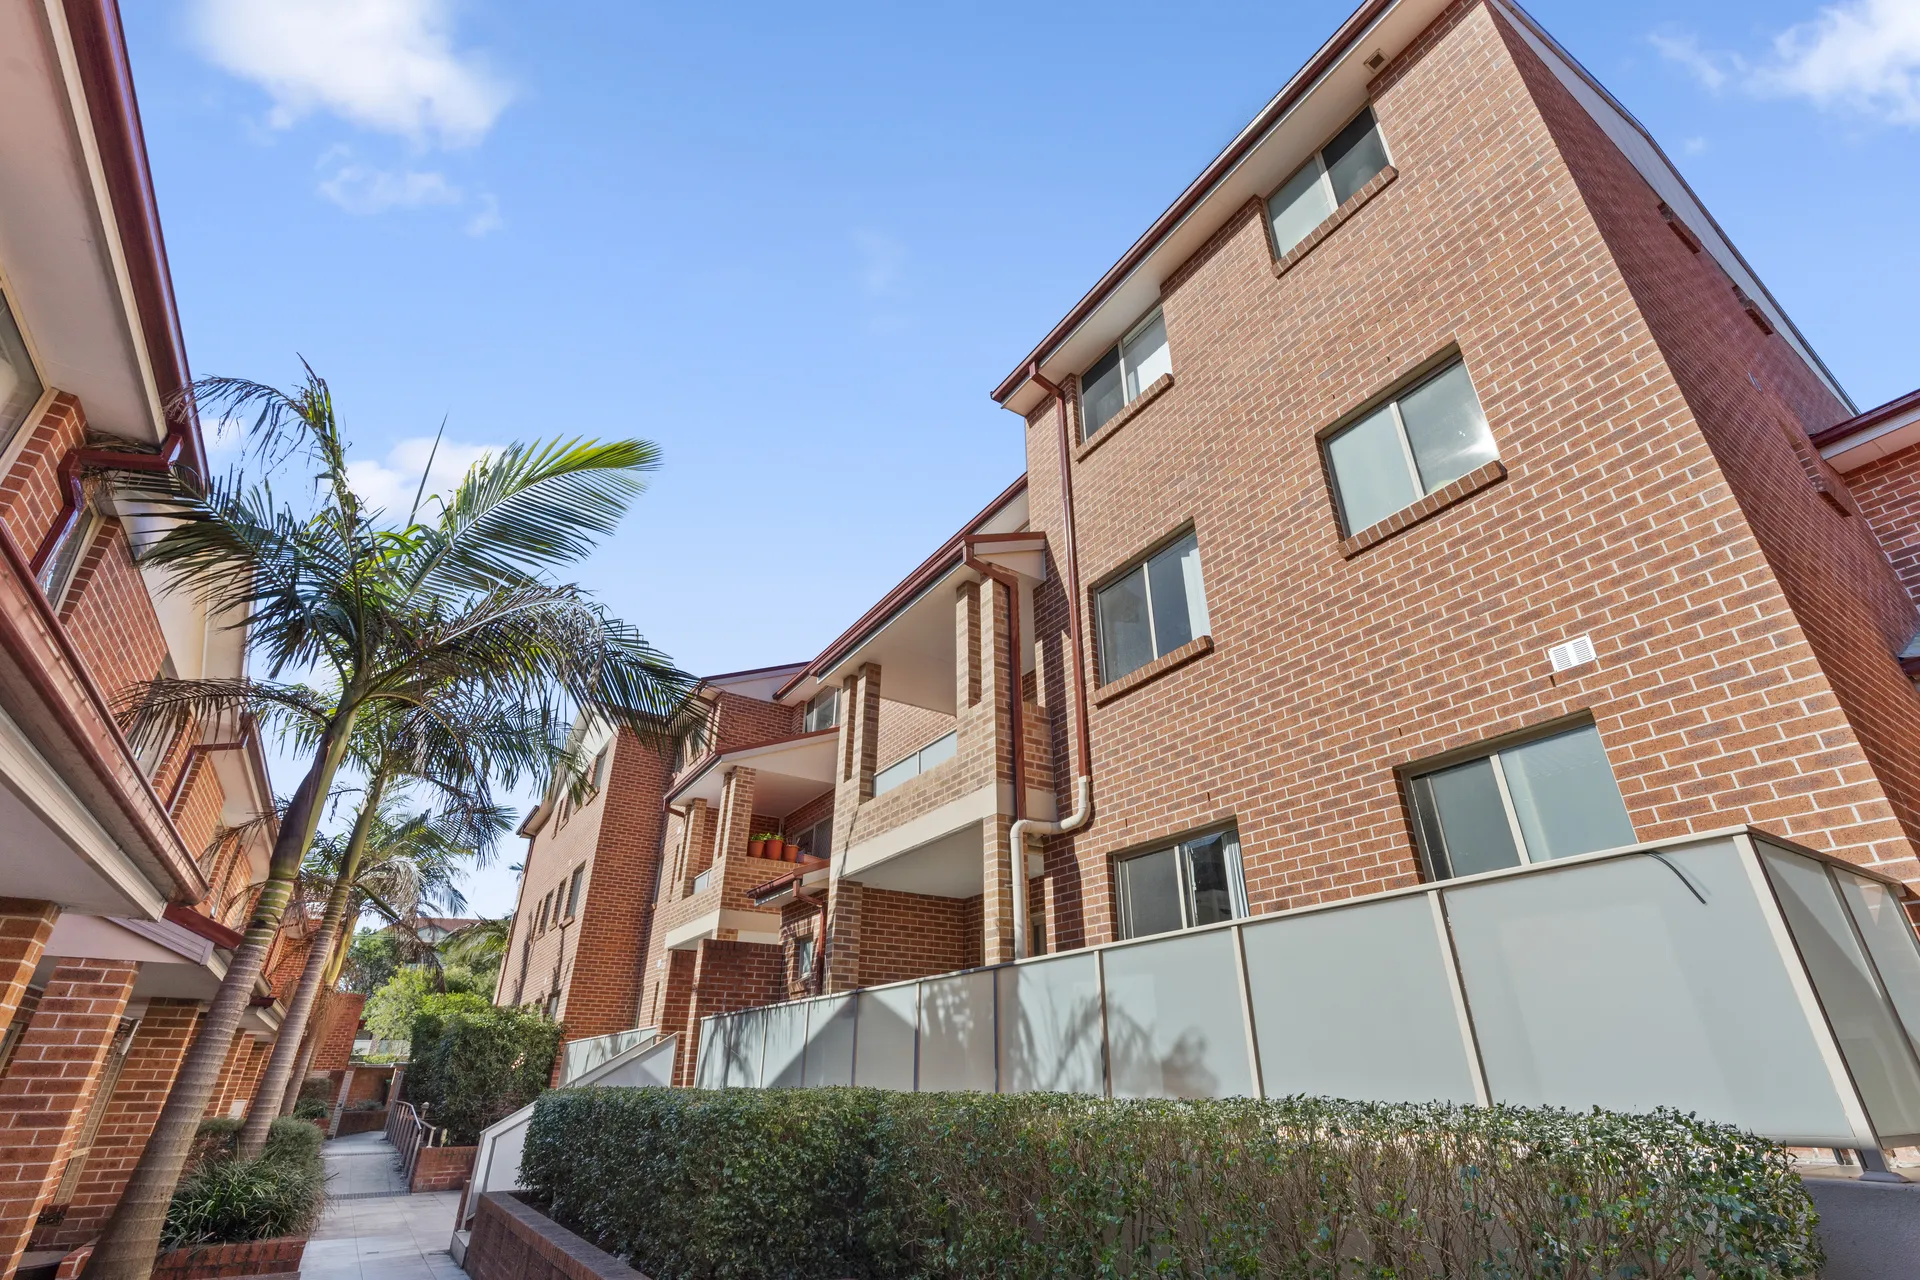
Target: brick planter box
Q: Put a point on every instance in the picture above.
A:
(442, 1169)
(514, 1241)
(362, 1122)
(279, 1257)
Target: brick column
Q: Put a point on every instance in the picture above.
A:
(736, 815)
(49, 1085)
(247, 1079)
(165, 1031)
(223, 1091)
(25, 926)
(990, 729)
(853, 785)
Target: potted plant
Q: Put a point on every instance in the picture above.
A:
(764, 845)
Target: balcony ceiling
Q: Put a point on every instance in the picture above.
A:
(787, 773)
(949, 867)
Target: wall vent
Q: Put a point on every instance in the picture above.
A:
(1577, 652)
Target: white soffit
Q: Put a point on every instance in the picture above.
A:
(1881, 440)
(59, 257)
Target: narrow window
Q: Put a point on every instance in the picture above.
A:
(1152, 609)
(912, 766)
(1128, 368)
(803, 958)
(546, 905)
(600, 763)
(573, 892)
(58, 573)
(1423, 439)
(20, 384)
(1551, 797)
(817, 840)
(693, 745)
(823, 712)
(1328, 179)
(1192, 883)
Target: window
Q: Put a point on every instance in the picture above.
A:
(817, 840)
(57, 574)
(1117, 378)
(823, 712)
(803, 958)
(20, 385)
(693, 745)
(600, 763)
(546, 905)
(573, 892)
(1326, 181)
(1192, 883)
(1551, 797)
(1151, 609)
(916, 764)
(1417, 442)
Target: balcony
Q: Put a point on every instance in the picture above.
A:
(1729, 974)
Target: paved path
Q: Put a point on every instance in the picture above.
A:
(374, 1230)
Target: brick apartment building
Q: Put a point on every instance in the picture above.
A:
(124, 882)
(1433, 489)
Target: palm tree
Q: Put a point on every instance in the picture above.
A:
(458, 750)
(480, 945)
(457, 603)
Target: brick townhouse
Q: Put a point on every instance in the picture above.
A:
(1432, 490)
(125, 882)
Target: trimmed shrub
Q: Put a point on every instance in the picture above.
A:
(222, 1200)
(867, 1183)
(471, 1067)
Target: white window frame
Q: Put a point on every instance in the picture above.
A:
(803, 952)
(11, 447)
(1119, 349)
(919, 763)
(1236, 880)
(63, 566)
(833, 717)
(1318, 160)
(575, 883)
(1392, 404)
(1153, 629)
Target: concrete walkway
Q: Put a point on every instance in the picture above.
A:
(374, 1230)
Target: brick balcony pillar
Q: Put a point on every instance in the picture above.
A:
(25, 926)
(987, 727)
(49, 1086)
(859, 757)
(159, 1044)
(736, 815)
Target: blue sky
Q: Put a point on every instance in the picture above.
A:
(798, 245)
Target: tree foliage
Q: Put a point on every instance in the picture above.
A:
(471, 1066)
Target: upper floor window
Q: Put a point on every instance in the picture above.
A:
(1118, 377)
(941, 748)
(1151, 610)
(58, 572)
(1420, 441)
(573, 892)
(823, 711)
(692, 745)
(817, 840)
(1182, 886)
(1326, 181)
(20, 384)
(540, 922)
(601, 760)
(1551, 797)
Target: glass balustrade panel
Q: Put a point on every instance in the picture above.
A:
(1049, 1027)
(883, 1047)
(957, 1034)
(1176, 1027)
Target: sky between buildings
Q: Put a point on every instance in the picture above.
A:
(798, 245)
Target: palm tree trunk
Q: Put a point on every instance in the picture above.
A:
(264, 1109)
(310, 1043)
(131, 1239)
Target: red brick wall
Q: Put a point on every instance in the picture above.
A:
(1888, 494)
(340, 1018)
(744, 722)
(914, 935)
(111, 618)
(1329, 669)
(30, 494)
(905, 728)
(729, 976)
(24, 930)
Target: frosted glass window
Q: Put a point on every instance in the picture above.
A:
(823, 710)
(1610, 984)
(1152, 610)
(883, 1046)
(1888, 931)
(830, 1034)
(957, 1033)
(1550, 797)
(1129, 367)
(1049, 1027)
(20, 384)
(1175, 1024)
(941, 748)
(1355, 1003)
(786, 1045)
(1420, 441)
(1329, 178)
(1193, 883)
(1877, 1051)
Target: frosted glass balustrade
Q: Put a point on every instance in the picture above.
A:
(956, 1033)
(785, 1046)
(1049, 1026)
(883, 1049)
(1175, 1024)
(829, 1056)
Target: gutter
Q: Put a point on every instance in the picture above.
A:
(1908, 403)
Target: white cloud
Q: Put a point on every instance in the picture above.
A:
(387, 65)
(487, 220)
(1861, 54)
(391, 484)
(359, 188)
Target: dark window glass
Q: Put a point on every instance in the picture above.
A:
(1195, 882)
(1354, 156)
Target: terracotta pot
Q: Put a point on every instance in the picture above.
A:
(775, 849)
(756, 848)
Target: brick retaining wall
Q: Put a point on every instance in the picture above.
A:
(442, 1169)
(514, 1241)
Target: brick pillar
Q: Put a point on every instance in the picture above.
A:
(159, 1045)
(859, 760)
(989, 722)
(736, 815)
(862, 759)
(25, 926)
(676, 1013)
(49, 1086)
(223, 1091)
(248, 1078)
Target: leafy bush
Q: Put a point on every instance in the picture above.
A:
(391, 1009)
(471, 1067)
(859, 1182)
(222, 1200)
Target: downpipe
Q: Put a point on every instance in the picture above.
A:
(1024, 827)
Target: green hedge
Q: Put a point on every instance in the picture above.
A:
(222, 1200)
(865, 1183)
(473, 1066)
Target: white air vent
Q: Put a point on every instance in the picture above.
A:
(1576, 652)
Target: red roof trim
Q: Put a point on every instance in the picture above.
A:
(203, 926)
(1907, 403)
